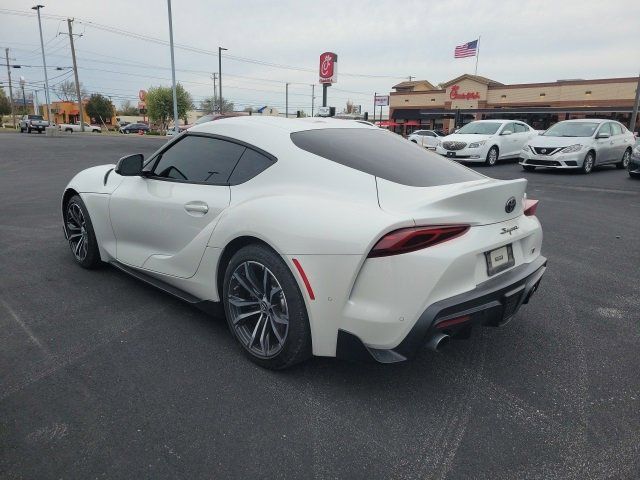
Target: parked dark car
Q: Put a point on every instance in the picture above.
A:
(135, 128)
(634, 161)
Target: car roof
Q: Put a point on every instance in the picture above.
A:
(279, 124)
(590, 120)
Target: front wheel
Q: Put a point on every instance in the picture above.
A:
(624, 163)
(265, 309)
(68, 130)
(80, 234)
(529, 168)
(492, 156)
(587, 163)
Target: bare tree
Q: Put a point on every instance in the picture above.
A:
(66, 91)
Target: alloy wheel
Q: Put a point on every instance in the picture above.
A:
(258, 309)
(493, 156)
(625, 159)
(77, 231)
(588, 163)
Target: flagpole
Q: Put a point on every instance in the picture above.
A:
(477, 55)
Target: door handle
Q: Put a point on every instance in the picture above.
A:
(199, 208)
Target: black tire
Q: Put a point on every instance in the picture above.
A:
(492, 156)
(529, 168)
(624, 163)
(70, 130)
(28, 129)
(295, 345)
(91, 258)
(588, 163)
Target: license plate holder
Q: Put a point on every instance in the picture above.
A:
(499, 259)
(451, 154)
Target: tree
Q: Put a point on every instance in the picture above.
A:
(212, 105)
(99, 107)
(128, 110)
(66, 91)
(160, 104)
(5, 106)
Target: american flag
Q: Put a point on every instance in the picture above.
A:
(468, 49)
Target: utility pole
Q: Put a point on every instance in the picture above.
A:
(286, 108)
(375, 94)
(13, 113)
(215, 92)
(313, 97)
(24, 98)
(44, 65)
(173, 72)
(220, 49)
(411, 77)
(75, 73)
(36, 110)
(634, 115)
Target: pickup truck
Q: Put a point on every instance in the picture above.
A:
(75, 127)
(32, 122)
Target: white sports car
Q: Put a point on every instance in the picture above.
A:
(323, 237)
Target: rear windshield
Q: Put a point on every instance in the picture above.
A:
(36, 117)
(383, 154)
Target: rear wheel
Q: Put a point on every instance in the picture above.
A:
(529, 168)
(624, 163)
(80, 234)
(588, 163)
(70, 130)
(492, 156)
(265, 309)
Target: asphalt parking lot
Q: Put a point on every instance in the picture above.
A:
(102, 376)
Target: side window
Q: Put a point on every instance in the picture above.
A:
(508, 126)
(605, 128)
(615, 129)
(520, 128)
(199, 159)
(251, 164)
(429, 134)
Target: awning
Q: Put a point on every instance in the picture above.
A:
(412, 123)
(74, 112)
(386, 123)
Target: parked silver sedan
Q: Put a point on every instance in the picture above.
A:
(580, 144)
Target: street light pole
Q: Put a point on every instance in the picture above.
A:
(286, 100)
(220, 49)
(44, 65)
(313, 97)
(173, 72)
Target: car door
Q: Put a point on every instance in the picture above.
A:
(604, 145)
(619, 144)
(508, 142)
(521, 133)
(430, 140)
(163, 220)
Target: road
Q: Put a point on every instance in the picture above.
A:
(102, 376)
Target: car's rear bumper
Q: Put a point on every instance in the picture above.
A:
(493, 303)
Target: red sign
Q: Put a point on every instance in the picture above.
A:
(328, 67)
(455, 95)
(142, 95)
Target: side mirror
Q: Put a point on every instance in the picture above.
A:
(603, 135)
(506, 132)
(130, 166)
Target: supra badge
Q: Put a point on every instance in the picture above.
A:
(508, 230)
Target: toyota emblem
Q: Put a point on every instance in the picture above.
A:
(510, 206)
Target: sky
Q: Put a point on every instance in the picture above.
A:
(378, 43)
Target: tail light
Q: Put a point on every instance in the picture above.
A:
(530, 207)
(415, 238)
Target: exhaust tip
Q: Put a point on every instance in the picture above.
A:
(438, 341)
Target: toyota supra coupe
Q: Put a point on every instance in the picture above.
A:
(318, 236)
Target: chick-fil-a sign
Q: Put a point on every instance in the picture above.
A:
(456, 95)
(328, 67)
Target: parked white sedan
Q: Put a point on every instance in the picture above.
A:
(579, 144)
(486, 141)
(312, 240)
(426, 138)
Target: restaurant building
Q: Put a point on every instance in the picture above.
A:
(421, 105)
